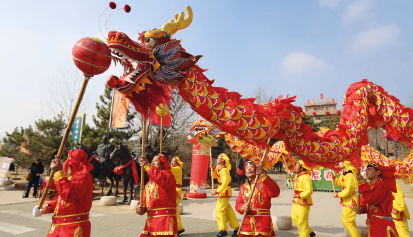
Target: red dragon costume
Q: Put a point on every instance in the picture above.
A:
(162, 62)
(71, 207)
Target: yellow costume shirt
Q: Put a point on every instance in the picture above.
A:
(348, 196)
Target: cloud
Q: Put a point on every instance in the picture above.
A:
(355, 11)
(329, 3)
(298, 63)
(373, 40)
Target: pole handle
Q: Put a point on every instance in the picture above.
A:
(212, 171)
(332, 181)
(143, 154)
(66, 136)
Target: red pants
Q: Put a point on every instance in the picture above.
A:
(380, 227)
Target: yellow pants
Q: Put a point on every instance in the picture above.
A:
(402, 227)
(348, 217)
(225, 214)
(299, 215)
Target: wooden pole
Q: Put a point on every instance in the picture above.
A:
(332, 180)
(160, 145)
(143, 154)
(212, 170)
(65, 136)
(252, 190)
(288, 172)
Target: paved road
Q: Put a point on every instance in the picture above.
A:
(120, 220)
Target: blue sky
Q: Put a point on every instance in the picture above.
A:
(301, 48)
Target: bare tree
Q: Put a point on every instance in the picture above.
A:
(63, 92)
(410, 99)
(263, 94)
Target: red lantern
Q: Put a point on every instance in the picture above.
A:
(91, 56)
(338, 111)
(385, 134)
(314, 113)
(327, 112)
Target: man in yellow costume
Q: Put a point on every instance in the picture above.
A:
(223, 210)
(176, 170)
(400, 213)
(348, 196)
(303, 189)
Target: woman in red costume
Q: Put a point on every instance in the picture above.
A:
(377, 200)
(159, 199)
(258, 219)
(72, 205)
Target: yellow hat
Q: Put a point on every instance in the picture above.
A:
(180, 163)
(302, 164)
(350, 166)
(226, 158)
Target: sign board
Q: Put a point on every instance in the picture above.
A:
(320, 180)
(119, 112)
(4, 169)
(77, 128)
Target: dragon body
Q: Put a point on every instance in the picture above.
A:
(162, 63)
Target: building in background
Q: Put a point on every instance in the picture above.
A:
(319, 111)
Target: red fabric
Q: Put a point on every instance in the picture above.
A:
(119, 170)
(95, 158)
(265, 189)
(387, 175)
(78, 162)
(159, 193)
(377, 200)
(75, 197)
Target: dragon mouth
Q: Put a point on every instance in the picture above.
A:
(200, 130)
(135, 59)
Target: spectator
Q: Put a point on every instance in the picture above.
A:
(36, 169)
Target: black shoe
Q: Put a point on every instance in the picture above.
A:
(25, 196)
(235, 234)
(312, 234)
(221, 233)
(181, 231)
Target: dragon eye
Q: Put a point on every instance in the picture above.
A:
(150, 42)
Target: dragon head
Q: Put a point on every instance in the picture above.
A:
(205, 132)
(152, 64)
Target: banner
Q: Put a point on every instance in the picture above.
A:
(26, 142)
(119, 111)
(320, 180)
(77, 128)
(4, 169)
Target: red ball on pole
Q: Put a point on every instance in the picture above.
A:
(92, 56)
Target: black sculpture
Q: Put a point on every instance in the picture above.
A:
(108, 165)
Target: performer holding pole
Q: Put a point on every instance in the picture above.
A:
(223, 209)
(257, 211)
(252, 192)
(303, 189)
(377, 200)
(348, 196)
(88, 54)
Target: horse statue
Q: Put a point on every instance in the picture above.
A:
(241, 170)
(108, 165)
(122, 153)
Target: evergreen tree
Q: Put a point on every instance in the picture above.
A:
(330, 123)
(308, 120)
(92, 136)
(42, 143)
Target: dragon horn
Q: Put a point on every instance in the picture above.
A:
(180, 23)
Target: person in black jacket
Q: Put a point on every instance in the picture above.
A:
(36, 169)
